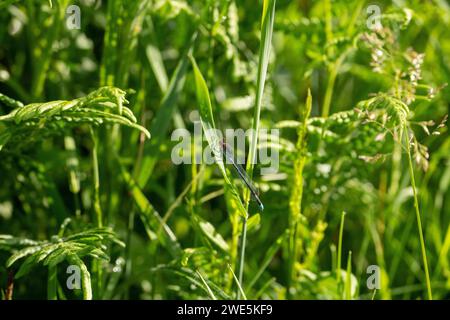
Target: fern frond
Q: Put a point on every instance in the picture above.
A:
(50, 253)
(104, 105)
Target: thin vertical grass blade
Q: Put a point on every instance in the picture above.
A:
(155, 59)
(52, 283)
(161, 122)
(339, 252)
(348, 278)
(418, 218)
(268, 258)
(4, 138)
(208, 289)
(150, 217)
(268, 17)
(241, 290)
(209, 129)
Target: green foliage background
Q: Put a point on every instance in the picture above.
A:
(82, 184)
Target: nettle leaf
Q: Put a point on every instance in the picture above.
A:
(104, 105)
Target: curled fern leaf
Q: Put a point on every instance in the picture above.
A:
(10, 102)
(50, 253)
(104, 105)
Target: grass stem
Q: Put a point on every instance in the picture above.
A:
(418, 218)
(242, 257)
(339, 252)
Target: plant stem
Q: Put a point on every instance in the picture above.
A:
(330, 88)
(328, 24)
(242, 258)
(97, 210)
(264, 52)
(333, 70)
(42, 53)
(348, 278)
(334, 66)
(295, 201)
(234, 247)
(268, 17)
(96, 182)
(52, 283)
(374, 293)
(419, 220)
(339, 252)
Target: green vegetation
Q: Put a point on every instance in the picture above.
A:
(88, 181)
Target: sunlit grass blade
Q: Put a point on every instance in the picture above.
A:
(348, 278)
(194, 278)
(418, 217)
(208, 289)
(267, 21)
(151, 219)
(339, 251)
(209, 129)
(268, 17)
(268, 257)
(241, 290)
(161, 122)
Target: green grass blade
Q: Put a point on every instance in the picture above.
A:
(348, 278)
(268, 17)
(209, 129)
(52, 283)
(339, 252)
(208, 289)
(241, 290)
(161, 122)
(418, 218)
(150, 217)
(268, 258)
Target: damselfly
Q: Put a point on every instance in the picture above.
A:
(228, 154)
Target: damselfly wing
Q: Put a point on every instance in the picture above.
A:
(229, 158)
